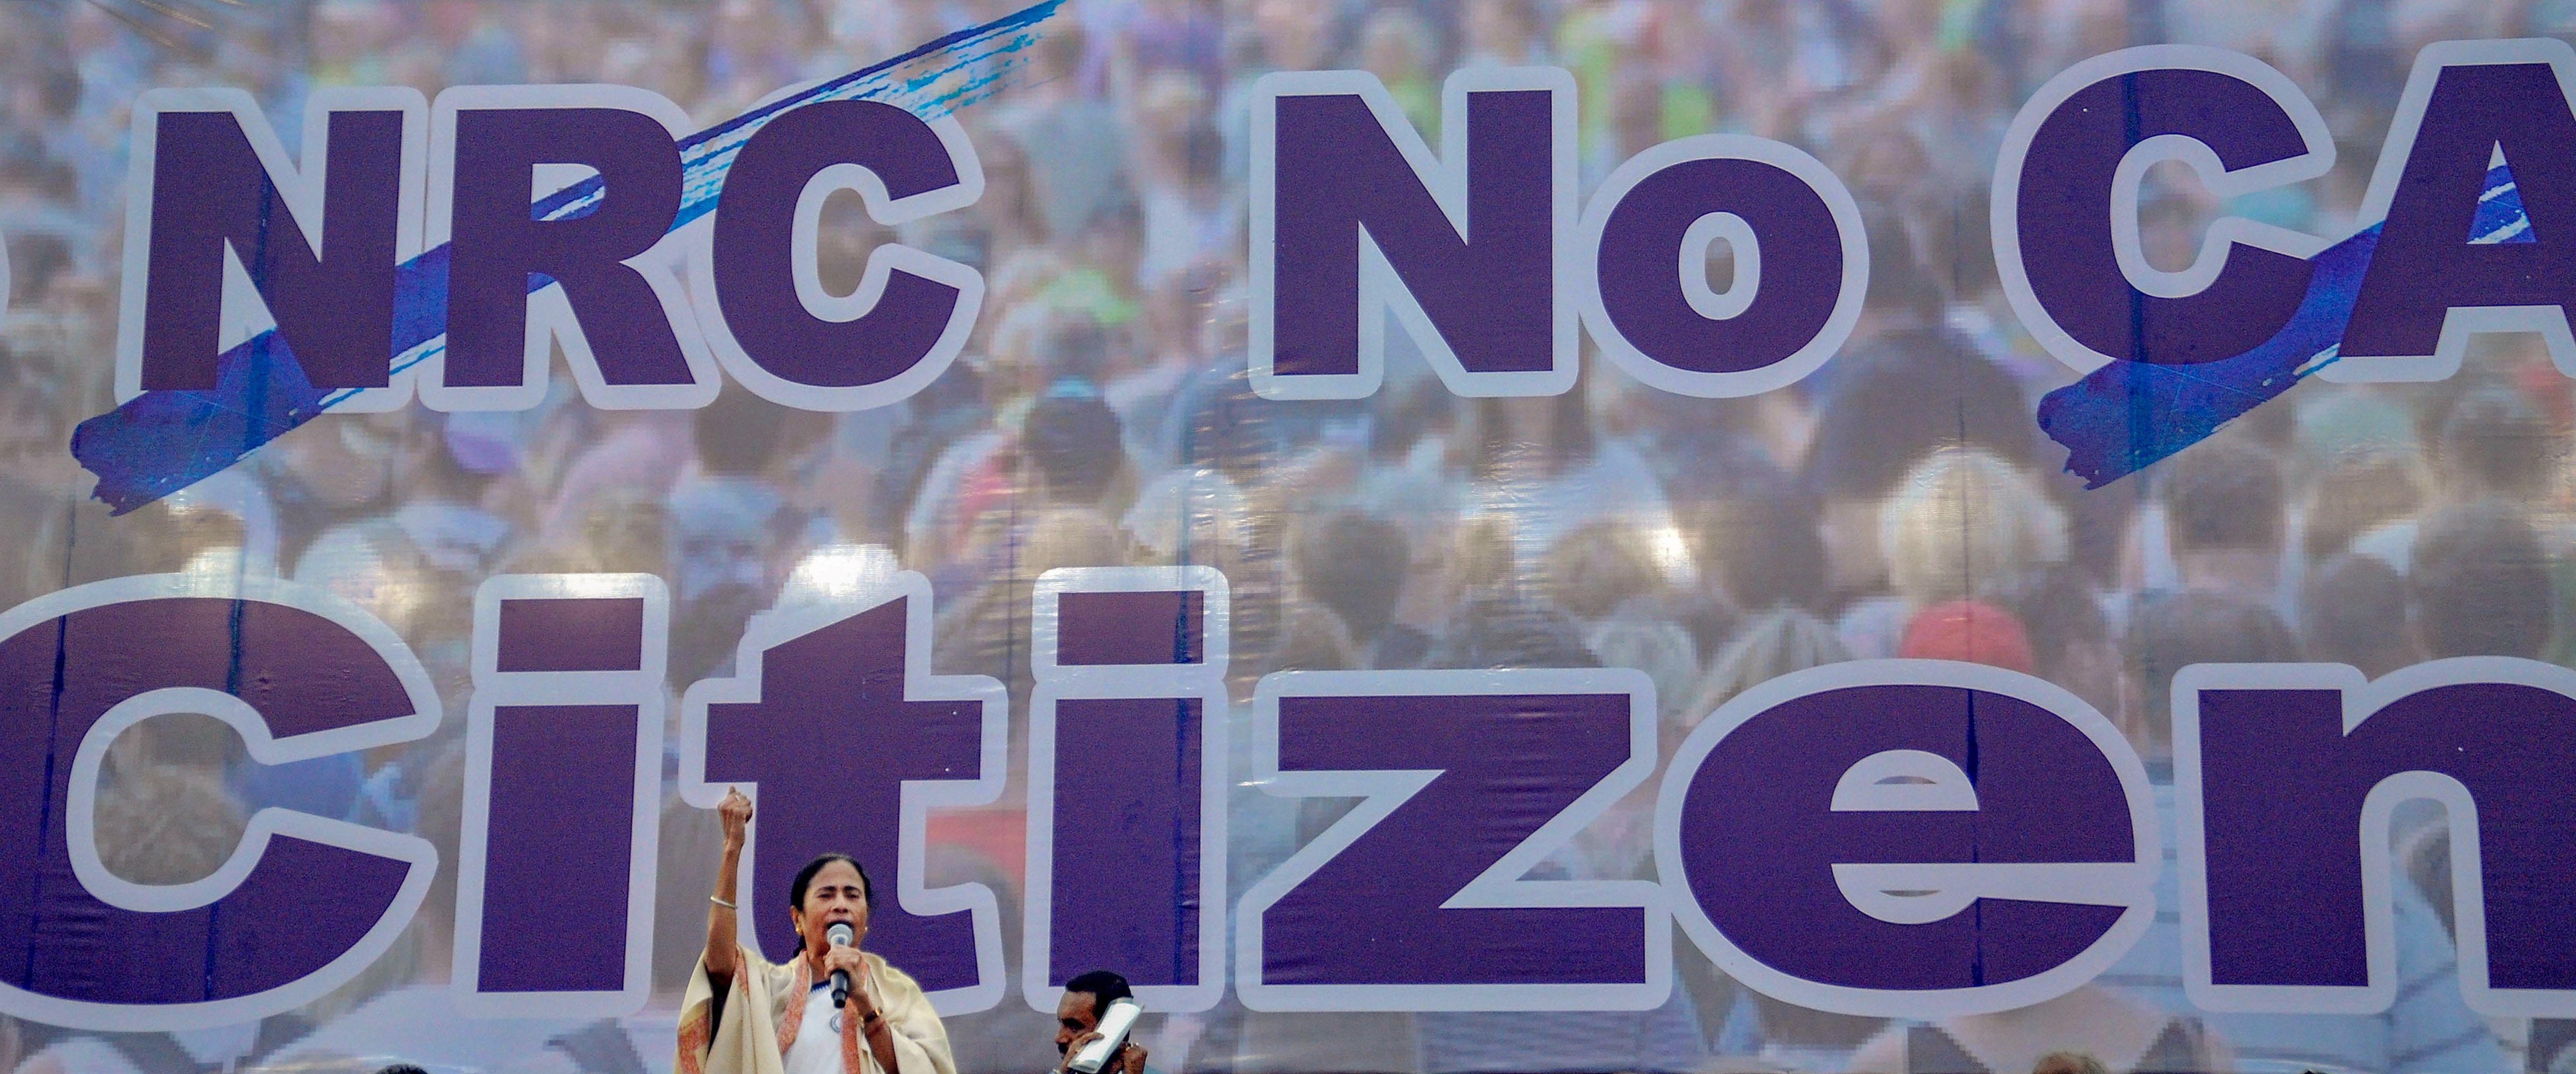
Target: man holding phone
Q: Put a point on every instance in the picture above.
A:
(1077, 1018)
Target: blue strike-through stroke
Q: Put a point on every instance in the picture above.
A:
(2126, 416)
(162, 441)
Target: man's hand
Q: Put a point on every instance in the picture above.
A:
(1129, 1060)
(735, 813)
(1074, 1049)
(855, 962)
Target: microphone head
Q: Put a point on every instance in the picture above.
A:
(841, 934)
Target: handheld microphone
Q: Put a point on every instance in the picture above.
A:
(841, 935)
(1114, 1024)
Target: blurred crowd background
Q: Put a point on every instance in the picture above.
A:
(1900, 501)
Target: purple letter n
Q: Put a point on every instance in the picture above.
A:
(2288, 775)
(1352, 218)
(212, 182)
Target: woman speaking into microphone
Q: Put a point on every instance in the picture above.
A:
(834, 1009)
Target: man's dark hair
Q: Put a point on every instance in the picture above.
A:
(805, 879)
(2495, 438)
(1077, 347)
(2224, 495)
(2480, 583)
(1899, 280)
(1075, 443)
(2347, 611)
(1903, 396)
(739, 434)
(1411, 413)
(1497, 629)
(1758, 540)
(1354, 564)
(2057, 607)
(39, 260)
(2174, 631)
(1106, 987)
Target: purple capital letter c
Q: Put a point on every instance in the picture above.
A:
(2065, 205)
(766, 312)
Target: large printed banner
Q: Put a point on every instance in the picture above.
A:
(1507, 536)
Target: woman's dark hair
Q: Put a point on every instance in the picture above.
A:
(805, 879)
(1106, 987)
